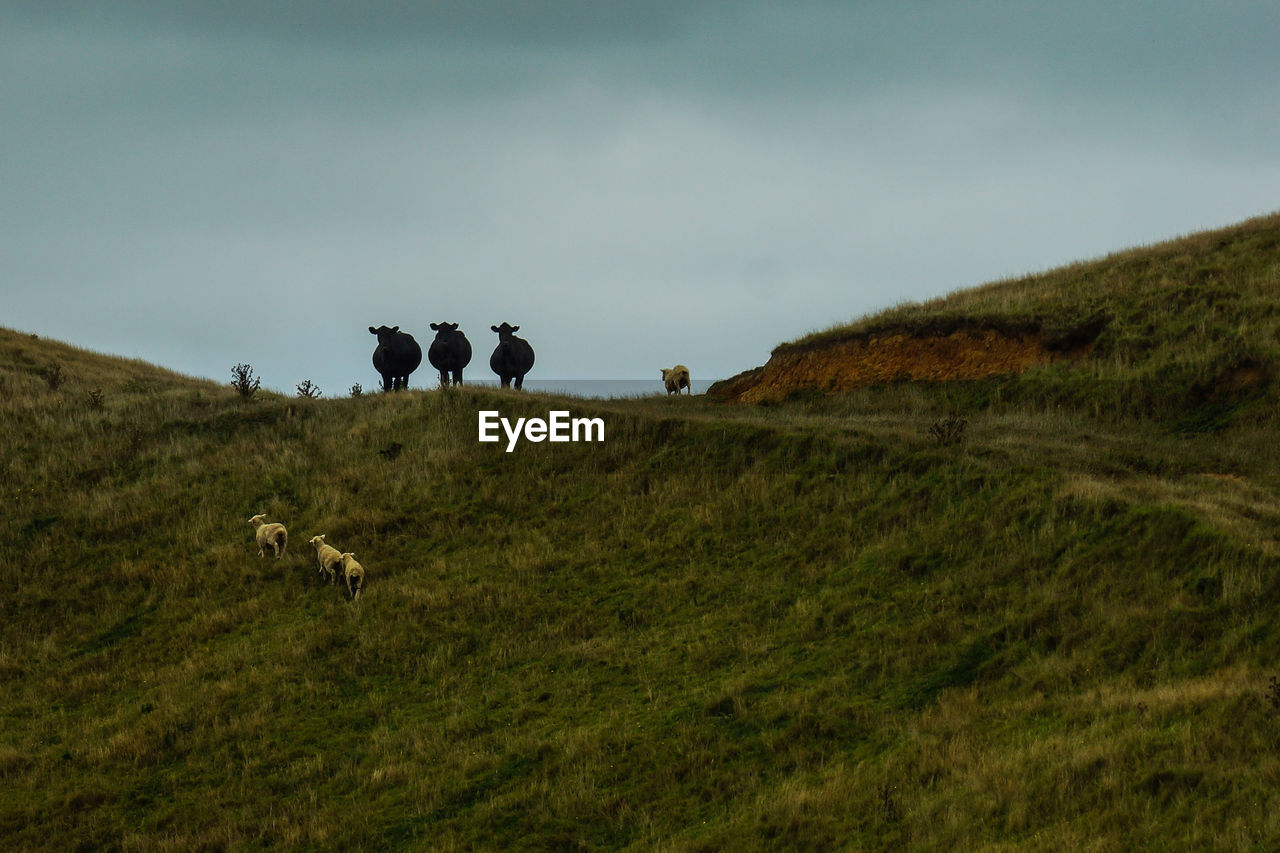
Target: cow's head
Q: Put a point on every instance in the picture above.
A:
(443, 330)
(505, 331)
(384, 334)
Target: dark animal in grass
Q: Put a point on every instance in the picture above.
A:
(449, 352)
(512, 358)
(396, 356)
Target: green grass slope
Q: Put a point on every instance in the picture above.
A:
(1189, 328)
(810, 626)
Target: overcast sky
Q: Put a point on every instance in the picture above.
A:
(635, 184)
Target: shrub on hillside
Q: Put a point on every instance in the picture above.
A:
(308, 390)
(949, 430)
(243, 380)
(54, 376)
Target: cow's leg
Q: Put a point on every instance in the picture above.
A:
(520, 381)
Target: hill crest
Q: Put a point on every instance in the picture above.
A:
(1202, 306)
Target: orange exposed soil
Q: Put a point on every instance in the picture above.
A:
(876, 359)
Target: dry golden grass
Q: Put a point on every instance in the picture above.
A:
(1246, 511)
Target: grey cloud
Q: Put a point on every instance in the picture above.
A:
(352, 23)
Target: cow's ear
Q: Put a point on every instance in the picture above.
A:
(495, 328)
(395, 328)
(372, 330)
(435, 327)
(515, 328)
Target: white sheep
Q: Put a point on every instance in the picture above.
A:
(328, 557)
(272, 536)
(676, 378)
(354, 573)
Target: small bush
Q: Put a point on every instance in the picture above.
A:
(949, 430)
(243, 380)
(356, 390)
(96, 399)
(54, 376)
(308, 390)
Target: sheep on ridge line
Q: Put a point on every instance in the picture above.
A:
(354, 574)
(328, 557)
(676, 378)
(270, 535)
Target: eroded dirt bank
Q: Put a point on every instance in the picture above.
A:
(965, 353)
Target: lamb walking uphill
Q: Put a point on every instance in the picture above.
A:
(270, 535)
(328, 557)
(354, 573)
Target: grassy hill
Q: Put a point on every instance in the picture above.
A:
(821, 625)
(1185, 330)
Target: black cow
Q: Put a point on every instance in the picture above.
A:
(449, 352)
(512, 357)
(397, 355)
